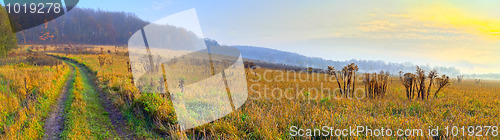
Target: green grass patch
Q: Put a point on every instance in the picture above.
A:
(86, 118)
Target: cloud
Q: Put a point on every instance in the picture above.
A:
(467, 42)
(472, 22)
(376, 25)
(398, 15)
(160, 5)
(406, 26)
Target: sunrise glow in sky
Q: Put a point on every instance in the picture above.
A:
(460, 33)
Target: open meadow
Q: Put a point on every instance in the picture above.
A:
(279, 99)
(167, 69)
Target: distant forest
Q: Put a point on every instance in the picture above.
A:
(88, 26)
(85, 26)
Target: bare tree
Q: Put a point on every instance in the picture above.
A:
(432, 75)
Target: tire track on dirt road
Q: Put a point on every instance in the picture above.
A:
(54, 124)
(105, 118)
(115, 115)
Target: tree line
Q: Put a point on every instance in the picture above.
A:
(7, 37)
(84, 26)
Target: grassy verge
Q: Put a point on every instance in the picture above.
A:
(21, 117)
(85, 116)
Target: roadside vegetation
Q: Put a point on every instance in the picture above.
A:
(27, 91)
(147, 114)
(84, 114)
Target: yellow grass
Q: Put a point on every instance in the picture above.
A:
(302, 100)
(20, 117)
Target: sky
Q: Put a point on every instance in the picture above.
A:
(460, 33)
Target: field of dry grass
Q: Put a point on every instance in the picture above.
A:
(27, 91)
(280, 99)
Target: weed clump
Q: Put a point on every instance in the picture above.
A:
(417, 83)
(348, 77)
(376, 84)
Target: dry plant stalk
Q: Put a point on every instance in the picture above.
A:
(416, 82)
(420, 83)
(432, 76)
(442, 82)
(346, 76)
(460, 78)
(376, 84)
(408, 81)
